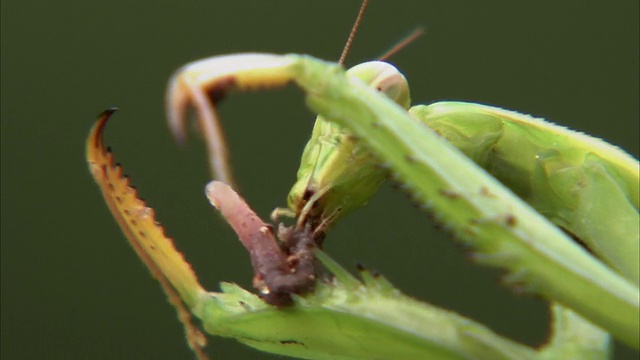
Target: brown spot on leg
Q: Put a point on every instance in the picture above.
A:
(219, 89)
(449, 194)
(410, 159)
(484, 191)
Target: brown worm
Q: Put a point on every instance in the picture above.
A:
(280, 269)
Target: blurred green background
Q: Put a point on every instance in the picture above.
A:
(71, 286)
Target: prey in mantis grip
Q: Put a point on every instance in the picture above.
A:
(280, 269)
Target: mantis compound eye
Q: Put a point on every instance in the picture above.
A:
(386, 78)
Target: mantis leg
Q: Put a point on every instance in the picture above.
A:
(146, 236)
(202, 84)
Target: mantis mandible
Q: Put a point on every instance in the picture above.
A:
(366, 112)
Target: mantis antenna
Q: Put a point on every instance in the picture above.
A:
(402, 44)
(389, 53)
(352, 34)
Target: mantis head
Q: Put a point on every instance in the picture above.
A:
(337, 173)
(386, 78)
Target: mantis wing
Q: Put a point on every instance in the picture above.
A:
(580, 183)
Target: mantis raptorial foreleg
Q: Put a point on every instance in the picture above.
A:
(145, 235)
(185, 89)
(504, 230)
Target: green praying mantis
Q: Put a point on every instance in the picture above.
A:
(557, 210)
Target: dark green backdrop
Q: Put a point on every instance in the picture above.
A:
(71, 286)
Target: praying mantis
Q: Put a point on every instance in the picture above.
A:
(369, 318)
